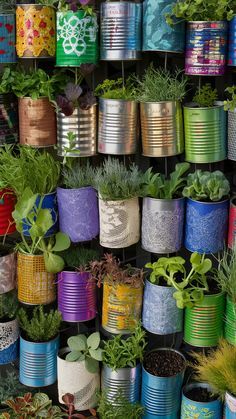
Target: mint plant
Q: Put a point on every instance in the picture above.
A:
(206, 186)
(85, 349)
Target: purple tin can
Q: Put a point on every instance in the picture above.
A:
(232, 42)
(206, 47)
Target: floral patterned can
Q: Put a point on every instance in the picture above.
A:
(7, 38)
(192, 409)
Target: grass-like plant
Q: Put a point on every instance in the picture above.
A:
(77, 257)
(225, 274)
(85, 349)
(206, 96)
(117, 89)
(8, 305)
(207, 186)
(118, 408)
(78, 176)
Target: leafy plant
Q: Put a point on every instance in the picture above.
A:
(7, 6)
(69, 400)
(156, 186)
(230, 104)
(79, 176)
(68, 101)
(67, 161)
(8, 305)
(206, 96)
(206, 186)
(85, 349)
(43, 326)
(119, 408)
(75, 5)
(78, 257)
(225, 274)
(190, 289)
(10, 386)
(116, 89)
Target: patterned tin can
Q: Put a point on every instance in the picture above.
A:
(9, 334)
(124, 380)
(206, 47)
(232, 224)
(205, 134)
(232, 135)
(8, 118)
(7, 38)
(162, 129)
(203, 323)
(192, 409)
(7, 205)
(232, 42)
(83, 124)
(121, 307)
(38, 362)
(162, 225)
(230, 321)
(230, 406)
(118, 122)
(7, 272)
(76, 296)
(77, 39)
(206, 226)
(121, 30)
(157, 34)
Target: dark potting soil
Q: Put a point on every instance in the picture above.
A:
(200, 394)
(163, 363)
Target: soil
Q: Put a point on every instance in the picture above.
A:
(200, 394)
(164, 363)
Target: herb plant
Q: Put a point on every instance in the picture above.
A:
(77, 257)
(119, 408)
(8, 305)
(85, 349)
(206, 186)
(206, 96)
(230, 104)
(78, 176)
(42, 326)
(115, 89)
(10, 386)
(75, 5)
(225, 274)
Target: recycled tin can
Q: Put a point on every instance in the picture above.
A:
(7, 205)
(9, 342)
(7, 272)
(8, 119)
(230, 406)
(232, 224)
(124, 380)
(230, 321)
(7, 38)
(232, 135)
(232, 42)
(198, 409)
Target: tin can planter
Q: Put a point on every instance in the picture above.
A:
(7, 38)
(199, 409)
(203, 324)
(7, 205)
(232, 135)
(206, 48)
(162, 225)
(157, 34)
(76, 296)
(162, 129)
(119, 223)
(8, 117)
(118, 122)
(77, 39)
(83, 123)
(35, 31)
(232, 42)
(230, 321)
(7, 272)
(121, 307)
(38, 362)
(205, 134)
(47, 201)
(161, 316)
(232, 223)
(78, 213)
(206, 226)
(230, 406)
(161, 396)
(9, 334)
(120, 30)
(35, 285)
(124, 380)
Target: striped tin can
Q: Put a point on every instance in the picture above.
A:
(230, 321)
(38, 362)
(232, 223)
(8, 118)
(7, 38)
(77, 39)
(192, 409)
(123, 380)
(7, 272)
(230, 406)
(76, 296)
(7, 205)
(162, 129)
(203, 323)
(157, 34)
(205, 134)
(232, 42)
(161, 396)
(9, 342)
(83, 124)
(206, 48)
(118, 122)
(121, 307)
(232, 135)
(120, 30)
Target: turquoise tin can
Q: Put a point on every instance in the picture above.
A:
(232, 43)
(157, 34)
(7, 38)
(191, 409)
(230, 406)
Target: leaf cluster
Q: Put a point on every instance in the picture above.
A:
(10, 386)
(8, 305)
(118, 408)
(77, 257)
(75, 5)
(116, 89)
(230, 104)
(206, 96)
(87, 350)
(207, 186)
(69, 402)
(225, 274)
(42, 326)
(79, 176)
(7, 6)
(201, 10)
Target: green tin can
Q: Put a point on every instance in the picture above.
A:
(203, 324)
(77, 39)
(205, 134)
(230, 322)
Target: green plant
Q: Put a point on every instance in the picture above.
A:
(78, 176)
(206, 186)
(85, 349)
(156, 186)
(7, 6)
(225, 274)
(8, 305)
(119, 408)
(116, 89)
(78, 257)
(206, 96)
(192, 285)
(10, 386)
(230, 104)
(121, 353)
(69, 401)
(71, 137)
(75, 5)
(42, 326)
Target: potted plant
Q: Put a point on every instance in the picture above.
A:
(230, 106)
(120, 407)
(80, 359)
(205, 127)
(7, 269)
(160, 96)
(121, 371)
(122, 294)
(163, 210)
(118, 188)
(9, 330)
(162, 378)
(77, 297)
(79, 219)
(206, 211)
(198, 401)
(118, 117)
(28, 405)
(77, 34)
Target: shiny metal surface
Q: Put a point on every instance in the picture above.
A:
(125, 380)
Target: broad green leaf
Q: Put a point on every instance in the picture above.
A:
(93, 340)
(96, 354)
(44, 220)
(62, 242)
(53, 263)
(91, 365)
(73, 356)
(24, 205)
(77, 343)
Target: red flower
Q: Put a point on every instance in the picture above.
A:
(22, 32)
(42, 24)
(51, 32)
(28, 24)
(36, 33)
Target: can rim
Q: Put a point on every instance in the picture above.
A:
(164, 199)
(207, 21)
(75, 189)
(188, 106)
(191, 386)
(160, 286)
(106, 367)
(160, 102)
(103, 99)
(40, 343)
(208, 203)
(170, 350)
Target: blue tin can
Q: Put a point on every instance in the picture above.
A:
(38, 362)
(157, 34)
(232, 42)
(9, 341)
(201, 410)
(48, 201)
(230, 407)
(7, 38)
(206, 226)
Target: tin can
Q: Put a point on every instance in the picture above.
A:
(232, 224)
(7, 272)
(232, 42)
(123, 380)
(162, 129)
(7, 38)
(8, 118)
(157, 34)
(206, 47)
(230, 321)
(118, 122)
(232, 135)
(7, 205)
(230, 406)
(205, 134)
(120, 30)
(201, 410)
(9, 345)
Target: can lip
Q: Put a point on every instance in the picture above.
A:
(159, 286)
(160, 102)
(33, 4)
(104, 366)
(191, 386)
(7, 14)
(118, 201)
(170, 350)
(40, 343)
(207, 21)
(164, 199)
(103, 99)
(75, 189)
(227, 393)
(210, 202)
(189, 105)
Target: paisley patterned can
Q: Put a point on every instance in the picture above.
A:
(232, 135)
(232, 42)
(9, 334)
(230, 406)
(192, 409)
(7, 38)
